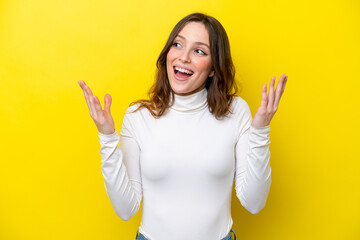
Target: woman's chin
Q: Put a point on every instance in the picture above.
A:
(185, 87)
(180, 92)
(179, 88)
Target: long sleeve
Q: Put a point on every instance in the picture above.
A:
(253, 171)
(189, 161)
(121, 171)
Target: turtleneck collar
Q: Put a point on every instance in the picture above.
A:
(190, 103)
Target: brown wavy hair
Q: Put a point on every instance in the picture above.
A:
(221, 87)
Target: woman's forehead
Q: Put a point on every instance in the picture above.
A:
(194, 32)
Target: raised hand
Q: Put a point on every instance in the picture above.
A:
(102, 118)
(269, 103)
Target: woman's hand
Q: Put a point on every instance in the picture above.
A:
(102, 118)
(269, 103)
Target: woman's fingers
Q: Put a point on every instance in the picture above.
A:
(283, 88)
(269, 102)
(102, 118)
(97, 104)
(88, 90)
(107, 102)
(264, 97)
(96, 110)
(91, 100)
(271, 94)
(82, 85)
(279, 90)
(81, 82)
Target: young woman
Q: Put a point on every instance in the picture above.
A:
(181, 150)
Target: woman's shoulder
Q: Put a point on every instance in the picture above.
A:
(137, 110)
(239, 105)
(241, 113)
(135, 116)
(132, 108)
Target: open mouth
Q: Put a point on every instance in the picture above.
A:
(182, 74)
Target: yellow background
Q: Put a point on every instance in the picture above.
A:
(51, 186)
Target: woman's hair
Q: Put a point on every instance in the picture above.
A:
(221, 87)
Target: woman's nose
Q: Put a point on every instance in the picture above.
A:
(185, 56)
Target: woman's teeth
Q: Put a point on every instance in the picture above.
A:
(178, 69)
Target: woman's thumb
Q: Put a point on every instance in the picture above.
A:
(107, 101)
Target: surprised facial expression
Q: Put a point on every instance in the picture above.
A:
(188, 61)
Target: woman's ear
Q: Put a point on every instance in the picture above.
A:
(212, 73)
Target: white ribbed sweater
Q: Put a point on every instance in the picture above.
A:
(182, 167)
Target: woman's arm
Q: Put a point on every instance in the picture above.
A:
(121, 171)
(253, 172)
(120, 167)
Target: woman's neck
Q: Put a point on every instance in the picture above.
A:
(190, 102)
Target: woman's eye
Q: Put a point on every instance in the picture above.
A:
(200, 51)
(176, 44)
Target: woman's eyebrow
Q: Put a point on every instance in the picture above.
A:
(200, 43)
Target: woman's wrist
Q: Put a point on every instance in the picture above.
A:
(107, 133)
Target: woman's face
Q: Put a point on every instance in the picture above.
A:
(188, 61)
